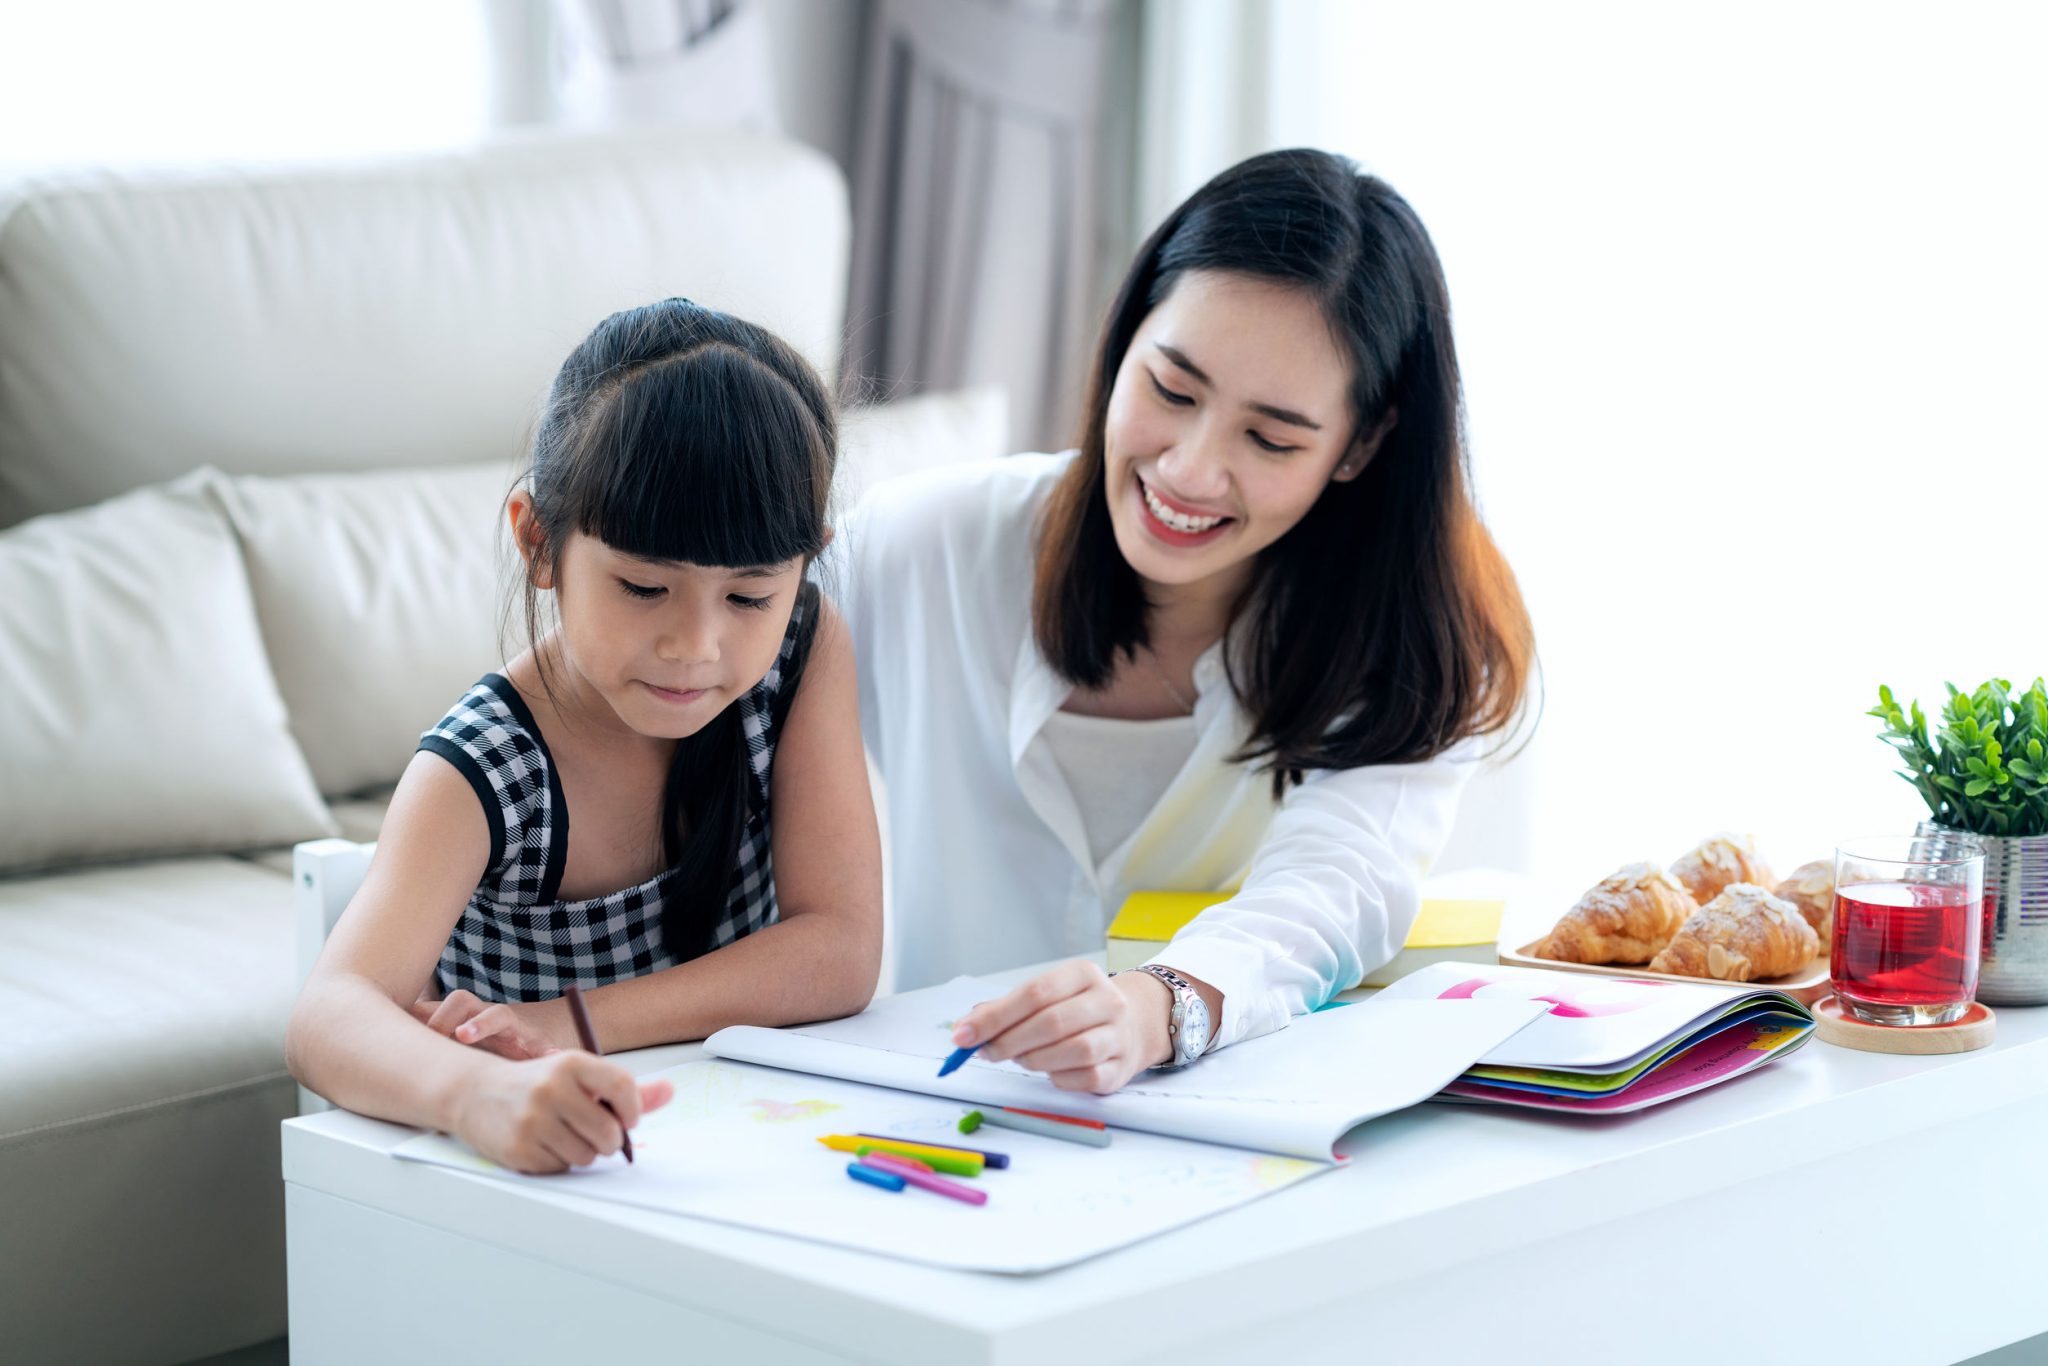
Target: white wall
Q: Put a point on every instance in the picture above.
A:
(141, 83)
(1751, 303)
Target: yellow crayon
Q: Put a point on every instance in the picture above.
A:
(952, 1161)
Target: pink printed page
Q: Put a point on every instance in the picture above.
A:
(1595, 1024)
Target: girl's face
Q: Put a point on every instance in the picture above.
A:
(667, 645)
(1230, 414)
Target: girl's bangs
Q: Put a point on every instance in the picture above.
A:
(691, 464)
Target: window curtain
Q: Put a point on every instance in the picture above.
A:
(663, 61)
(979, 202)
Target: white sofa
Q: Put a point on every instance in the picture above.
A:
(255, 429)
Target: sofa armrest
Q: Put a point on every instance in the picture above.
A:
(325, 875)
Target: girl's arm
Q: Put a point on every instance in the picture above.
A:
(821, 958)
(353, 1037)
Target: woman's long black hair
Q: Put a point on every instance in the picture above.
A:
(1385, 626)
(675, 432)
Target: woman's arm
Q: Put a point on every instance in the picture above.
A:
(821, 958)
(1331, 893)
(353, 1037)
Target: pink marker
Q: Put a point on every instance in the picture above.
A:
(917, 1174)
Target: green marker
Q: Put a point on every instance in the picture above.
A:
(951, 1166)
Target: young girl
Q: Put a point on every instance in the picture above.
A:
(662, 801)
(1248, 637)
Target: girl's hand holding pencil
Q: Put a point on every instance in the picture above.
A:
(548, 1114)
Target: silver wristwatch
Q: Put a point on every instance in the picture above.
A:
(1188, 1025)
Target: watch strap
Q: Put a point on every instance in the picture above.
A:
(1185, 1000)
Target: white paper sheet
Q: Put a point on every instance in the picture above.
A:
(738, 1145)
(1292, 1092)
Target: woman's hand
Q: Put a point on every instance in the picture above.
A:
(546, 1114)
(525, 1030)
(1085, 1030)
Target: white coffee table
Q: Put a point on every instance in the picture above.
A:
(1835, 1206)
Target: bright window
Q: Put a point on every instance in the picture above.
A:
(141, 82)
(1751, 300)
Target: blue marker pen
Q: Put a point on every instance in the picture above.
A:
(954, 1059)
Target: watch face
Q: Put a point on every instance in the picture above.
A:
(1194, 1029)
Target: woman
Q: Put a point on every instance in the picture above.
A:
(1251, 634)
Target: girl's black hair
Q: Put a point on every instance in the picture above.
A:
(676, 432)
(1385, 626)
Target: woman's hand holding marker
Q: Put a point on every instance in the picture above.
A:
(1085, 1030)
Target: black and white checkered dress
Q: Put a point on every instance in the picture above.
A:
(515, 940)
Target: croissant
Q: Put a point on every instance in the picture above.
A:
(1743, 935)
(1626, 918)
(1718, 862)
(1811, 889)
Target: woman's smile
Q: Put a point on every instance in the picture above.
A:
(1174, 522)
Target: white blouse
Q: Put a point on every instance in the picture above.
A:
(992, 864)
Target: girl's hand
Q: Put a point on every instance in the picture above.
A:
(544, 1114)
(525, 1030)
(1085, 1030)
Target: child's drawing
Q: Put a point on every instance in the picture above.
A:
(783, 1111)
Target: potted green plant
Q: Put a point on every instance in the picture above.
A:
(1984, 772)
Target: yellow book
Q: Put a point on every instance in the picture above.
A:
(1444, 931)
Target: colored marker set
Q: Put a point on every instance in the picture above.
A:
(891, 1164)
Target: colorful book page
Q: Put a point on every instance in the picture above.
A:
(1544, 1079)
(1722, 1057)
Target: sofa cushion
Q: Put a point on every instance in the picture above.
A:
(380, 314)
(142, 717)
(141, 1086)
(379, 595)
(360, 818)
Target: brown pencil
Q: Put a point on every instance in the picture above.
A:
(580, 1013)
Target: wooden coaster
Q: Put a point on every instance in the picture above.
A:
(1974, 1030)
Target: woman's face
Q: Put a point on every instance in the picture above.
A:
(1229, 416)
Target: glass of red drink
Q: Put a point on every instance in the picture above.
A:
(1909, 921)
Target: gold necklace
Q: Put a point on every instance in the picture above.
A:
(1187, 708)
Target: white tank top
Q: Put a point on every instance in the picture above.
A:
(1118, 770)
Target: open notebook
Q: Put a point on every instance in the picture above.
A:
(1293, 1092)
(1579, 1043)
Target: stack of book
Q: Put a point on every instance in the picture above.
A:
(1609, 1045)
